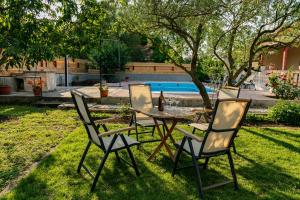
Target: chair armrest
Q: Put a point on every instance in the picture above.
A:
(194, 137)
(107, 133)
(200, 126)
(106, 120)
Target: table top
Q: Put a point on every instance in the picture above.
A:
(168, 113)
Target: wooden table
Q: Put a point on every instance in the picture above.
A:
(171, 114)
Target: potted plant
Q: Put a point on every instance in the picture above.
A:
(37, 88)
(5, 89)
(103, 90)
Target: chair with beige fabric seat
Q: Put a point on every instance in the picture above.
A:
(229, 92)
(141, 98)
(227, 119)
(108, 141)
(223, 93)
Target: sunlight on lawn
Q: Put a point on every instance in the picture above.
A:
(267, 166)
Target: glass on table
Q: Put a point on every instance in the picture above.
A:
(169, 101)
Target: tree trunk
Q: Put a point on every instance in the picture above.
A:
(203, 92)
(229, 81)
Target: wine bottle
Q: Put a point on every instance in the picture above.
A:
(161, 101)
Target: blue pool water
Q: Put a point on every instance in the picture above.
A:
(185, 87)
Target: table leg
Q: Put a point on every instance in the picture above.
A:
(164, 139)
(168, 130)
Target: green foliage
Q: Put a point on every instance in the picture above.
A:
(209, 68)
(286, 91)
(108, 56)
(282, 87)
(244, 30)
(41, 30)
(136, 46)
(157, 55)
(287, 112)
(82, 26)
(257, 119)
(25, 34)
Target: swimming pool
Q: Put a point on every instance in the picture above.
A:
(176, 87)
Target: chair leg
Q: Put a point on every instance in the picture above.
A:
(136, 133)
(206, 163)
(196, 169)
(104, 127)
(137, 136)
(83, 156)
(103, 162)
(99, 170)
(130, 124)
(179, 151)
(234, 149)
(194, 130)
(232, 170)
(131, 156)
(153, 130)
(118, 157)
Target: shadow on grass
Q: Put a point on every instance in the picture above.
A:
(283, 132)
(13, 111)
(270, 179)
(4, 118)
(276, 141)
(32, 187)
(56, 177)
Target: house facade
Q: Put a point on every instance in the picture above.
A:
(283, 59)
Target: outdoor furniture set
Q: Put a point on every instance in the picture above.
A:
(223, 123)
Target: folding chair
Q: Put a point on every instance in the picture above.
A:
(227, 119)
(108, 141)
(223, 93)
(141, 98)
(249, 82)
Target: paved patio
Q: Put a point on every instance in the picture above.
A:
(119, 95)
(122, 91)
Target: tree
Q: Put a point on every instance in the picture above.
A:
(247, 29)
(112, 56)
(180, 26)
(136, 46)
(83, 24)
(27, 32)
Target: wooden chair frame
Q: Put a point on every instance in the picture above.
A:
(111, 137)
(188, 137)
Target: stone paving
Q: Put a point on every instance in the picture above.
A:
(122, 91)
(119, 95)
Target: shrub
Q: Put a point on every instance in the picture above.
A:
(282, 86)
(252, 118)
(285, 90)
(287, 112)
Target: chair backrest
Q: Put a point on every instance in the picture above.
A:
(85, 117)
(140, 98)
(228, 92)
(227, 119)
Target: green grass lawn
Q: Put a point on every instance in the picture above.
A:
(267, 165)
(27, 134)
